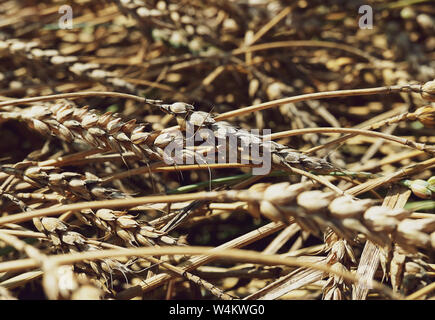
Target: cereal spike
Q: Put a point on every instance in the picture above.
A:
(344, 215)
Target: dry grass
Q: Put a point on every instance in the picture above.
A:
(92, 207)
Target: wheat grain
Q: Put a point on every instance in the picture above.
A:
(340, 256)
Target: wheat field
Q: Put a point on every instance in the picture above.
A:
(217, 150)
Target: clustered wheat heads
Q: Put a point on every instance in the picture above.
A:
(78, 178)
(344, 216)
(32, 52)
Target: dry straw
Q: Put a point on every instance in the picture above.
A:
(93, 206)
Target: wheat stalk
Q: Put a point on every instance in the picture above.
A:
(111, 132)
(425, 115)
